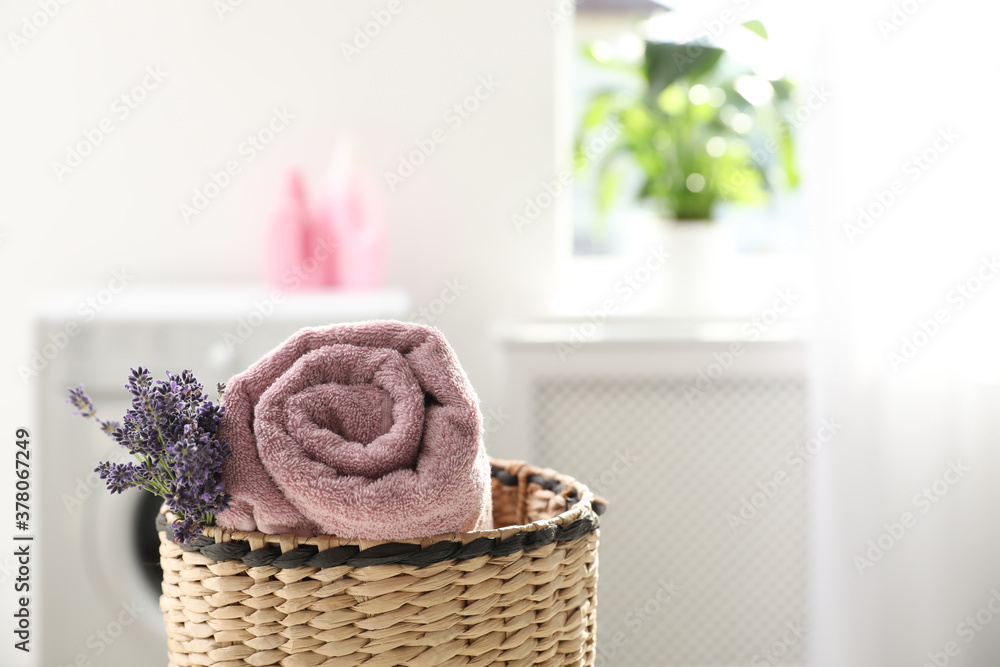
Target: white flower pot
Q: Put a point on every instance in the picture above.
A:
(697, 279)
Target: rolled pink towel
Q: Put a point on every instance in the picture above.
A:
(367, 430)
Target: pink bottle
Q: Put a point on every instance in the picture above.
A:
(290, 261)
(351, 216)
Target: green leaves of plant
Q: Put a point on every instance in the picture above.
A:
(667, 62)
(667, 124)
(757, 28)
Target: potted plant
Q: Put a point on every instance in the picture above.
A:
(699, 130)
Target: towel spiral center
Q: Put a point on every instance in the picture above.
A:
(359, 411)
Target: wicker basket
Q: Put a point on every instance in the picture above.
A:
(525, 594)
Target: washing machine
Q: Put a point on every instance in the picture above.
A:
(98, 576)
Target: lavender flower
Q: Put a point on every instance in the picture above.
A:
(170, 429)
(80, 400)
(85, 408)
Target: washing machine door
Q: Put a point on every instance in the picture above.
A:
(121, 547)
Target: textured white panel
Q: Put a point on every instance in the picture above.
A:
(678, 585)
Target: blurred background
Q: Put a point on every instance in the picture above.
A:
(730, 263)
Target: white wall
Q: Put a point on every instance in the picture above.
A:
(901, 73)
(120, 208)
(223, 77)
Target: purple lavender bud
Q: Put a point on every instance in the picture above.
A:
(84, 406)
(171, 428)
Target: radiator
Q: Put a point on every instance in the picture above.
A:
(704, 551)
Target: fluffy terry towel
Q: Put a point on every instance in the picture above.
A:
(367, 430)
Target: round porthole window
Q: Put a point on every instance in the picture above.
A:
(145, 541)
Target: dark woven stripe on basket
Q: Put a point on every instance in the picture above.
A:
(553, 485)
(398, 553)
(401, 553)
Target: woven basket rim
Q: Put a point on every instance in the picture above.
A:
(587, 508)
(531, 598)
